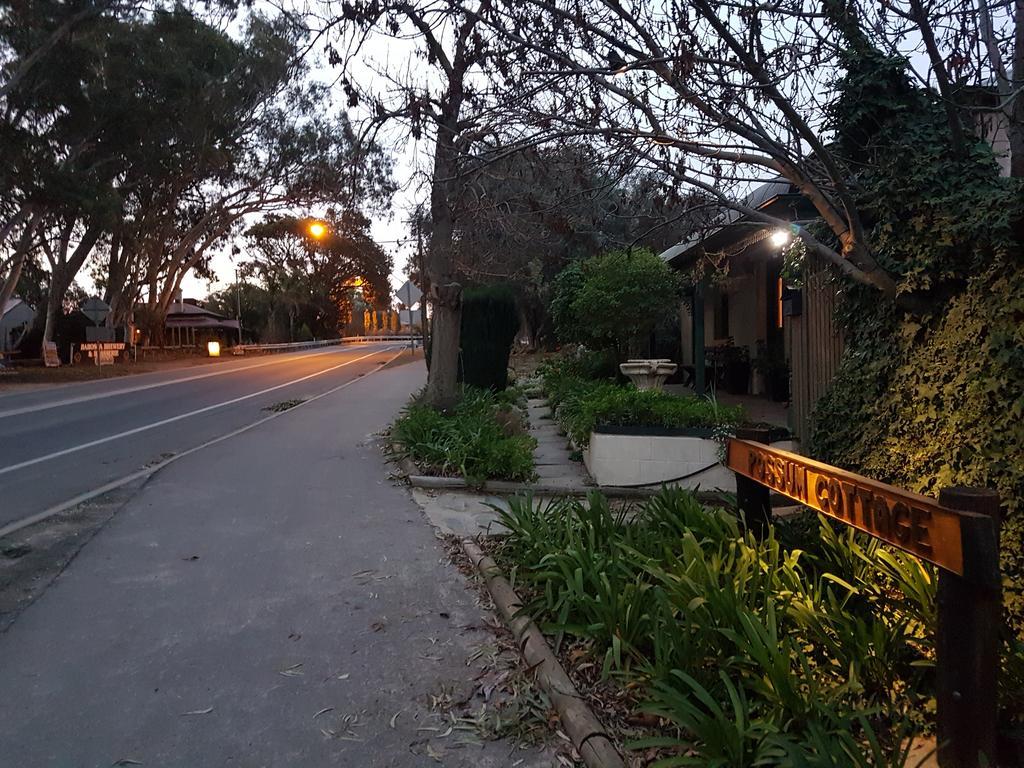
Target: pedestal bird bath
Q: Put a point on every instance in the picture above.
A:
(648, 374)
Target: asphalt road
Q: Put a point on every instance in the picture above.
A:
(269, 601)
(59, 443)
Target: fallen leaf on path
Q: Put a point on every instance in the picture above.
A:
(345, 676)
(436, 753)
(322, 711)
(198, 712)
(293, 671)
(126, 761)
(394, 717)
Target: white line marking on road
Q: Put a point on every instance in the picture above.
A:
(179, 417)
(81, 498)
(156, 385)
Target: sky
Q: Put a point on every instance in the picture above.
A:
(390, 231)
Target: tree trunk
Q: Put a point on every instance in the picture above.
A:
(8, 286)
(11, 282)
(445, 293)
(54, 297)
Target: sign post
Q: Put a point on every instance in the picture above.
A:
(960, 535)
(409, 294)
(753, 498)
(967, 639)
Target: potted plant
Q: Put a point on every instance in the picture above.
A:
(771, 363)
(736, 370)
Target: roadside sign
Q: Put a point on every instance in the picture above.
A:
(50, 357)
(103, 352)
(409, 294)
(909, 521)
(959, 533)
(95, 309)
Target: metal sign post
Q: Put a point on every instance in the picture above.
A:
(409, 294)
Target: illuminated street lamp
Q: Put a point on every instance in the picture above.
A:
(317, 229)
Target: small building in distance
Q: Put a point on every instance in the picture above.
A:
(15, 318)
(190, 324)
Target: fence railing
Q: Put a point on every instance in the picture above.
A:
(296, 345)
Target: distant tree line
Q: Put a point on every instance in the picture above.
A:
(137, 139)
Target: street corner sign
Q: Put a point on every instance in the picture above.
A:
(953, 540)
(95, 309)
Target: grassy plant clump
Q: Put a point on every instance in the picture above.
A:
(581, 404)
(483, 438)
(758, 652)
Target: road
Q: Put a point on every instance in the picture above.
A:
(272, 599)
(61, 443)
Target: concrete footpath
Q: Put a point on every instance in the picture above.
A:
(272, 601)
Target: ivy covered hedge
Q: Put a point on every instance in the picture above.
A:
(939, 401)
(930, 391)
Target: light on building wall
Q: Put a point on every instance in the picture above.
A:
(780, 238)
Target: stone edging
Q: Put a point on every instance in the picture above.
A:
(412, 474)
(579, 722)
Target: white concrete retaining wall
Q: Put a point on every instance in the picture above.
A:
(633, 460)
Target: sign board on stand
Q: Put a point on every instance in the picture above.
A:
(50, 357)
(103, 352)
(958, 532)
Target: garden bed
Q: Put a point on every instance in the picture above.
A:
(629, 456)
(484, 437)
(814, 646)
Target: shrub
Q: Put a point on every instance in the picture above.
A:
(615, 300)
(490, 321)
(482, 438)
(760, 653)
(581, 404)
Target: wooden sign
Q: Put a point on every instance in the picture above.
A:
(50, 357)
(103, 352)
(907, 520)
(959, 533)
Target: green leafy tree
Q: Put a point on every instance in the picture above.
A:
(530, 213)
(614, 301)
(312, 281)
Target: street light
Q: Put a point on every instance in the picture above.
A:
(317, 229)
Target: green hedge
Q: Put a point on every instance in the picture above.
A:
(490, 321)
(482, 438)
(581, 404)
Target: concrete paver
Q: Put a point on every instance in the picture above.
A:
(551, 456)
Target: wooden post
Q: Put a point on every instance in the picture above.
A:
(753, 498)
(967, 636)
(698, 339)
